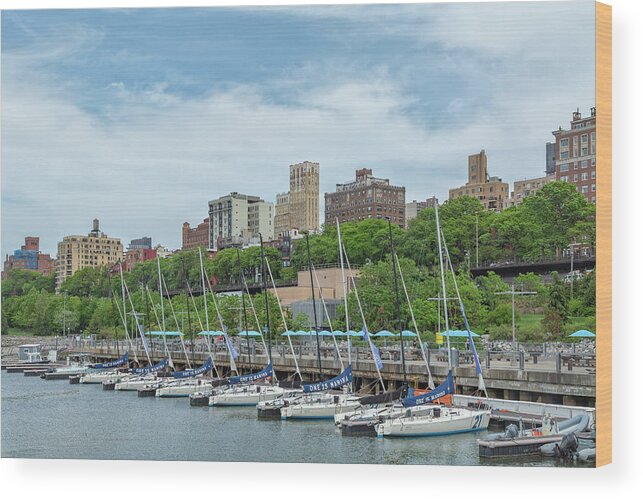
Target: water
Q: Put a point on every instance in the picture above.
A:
(53, 419)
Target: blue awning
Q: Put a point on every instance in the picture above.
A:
(582, 333)
(384, 334)
(459, 334)
(211, 333)
(249, 333)
(164, 333)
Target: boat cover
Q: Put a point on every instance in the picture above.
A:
(150, 369)
(344, 378)
(447, 387)
(189, 373)
(264, 373)
(113, 363)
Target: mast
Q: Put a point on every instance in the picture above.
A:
(444, 287)
(205, 306)
(312, 288)
(330, 324)
(243, 308)
(265, 293)
(397, 307)
(341, 263)
(167, 351)
(187, 305)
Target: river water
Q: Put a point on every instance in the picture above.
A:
(53, 419)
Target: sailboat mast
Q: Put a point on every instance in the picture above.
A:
(312, 288)
(444, 287)
(341, 263)
(265, 294)
(243, 308)
(397, 307)
(187, 306)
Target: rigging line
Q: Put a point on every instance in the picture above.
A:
(341, 262)
(233, 364)
(283, 318)
(157, 318)
(330, 324)
(138, 326)
(417, 331)
(124, 320)
(178, 328)
(196, 311)
(444, 286)
(481, 384)
(254, 313)
(361, 311)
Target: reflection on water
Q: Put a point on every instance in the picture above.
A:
(49, 419)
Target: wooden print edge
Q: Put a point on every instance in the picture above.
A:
(604, 234)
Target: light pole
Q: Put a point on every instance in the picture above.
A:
(477, 236)
(513, 294)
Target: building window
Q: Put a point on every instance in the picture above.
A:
(564, 142)
(593, 174)
(584, 189)
(593, 146)
(575, 177)
(584, 163)
(593, 187)
(564, 178)
(564, 155)
(564, 167)
(585, 176)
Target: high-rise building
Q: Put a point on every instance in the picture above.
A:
(492, 192)
(414, 207)
(550, 161)
(299, 207)
(29, 257)
(282, 214)
(237, 219)
(527, 187)
(140, 243)
(576, 154)
(93, 250)
(193, 237)
(366, 197)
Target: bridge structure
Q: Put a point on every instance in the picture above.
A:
(510, 270)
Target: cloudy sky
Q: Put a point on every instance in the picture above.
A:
(139, 117)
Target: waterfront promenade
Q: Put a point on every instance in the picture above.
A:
(551, 377)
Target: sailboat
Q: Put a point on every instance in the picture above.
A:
(420, 417)
(321, 400)
(243, 390)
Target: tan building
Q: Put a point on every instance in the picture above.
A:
(299, 207)
(366, 197)
(492, 192)
(414, 207)
(282, 214)
(576, 154)
(330, 282)
(525, 188)
(237, 219)
(96, 249)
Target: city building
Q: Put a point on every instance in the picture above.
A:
(524, 188)
(492, 192)
(576, 154)
(299, 207)
(238, 219)
(137, 255)
(193, 237)
(414, 207)
(162, 251)
(29, 257)
(96, 249)
(282, 214)
(550, 161)
(366, 197)
(141, 243)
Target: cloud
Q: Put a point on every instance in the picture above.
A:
(150, 157)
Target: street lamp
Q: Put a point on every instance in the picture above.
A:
(513, 294)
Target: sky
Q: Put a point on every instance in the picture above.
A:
(139, 117)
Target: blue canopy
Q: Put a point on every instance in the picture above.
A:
(288, 333)
(165, 333)
(321, 333)
(211, 333)
(384, 334)
(301, 333)
(353, 333)
(339, 333)
(409, 334)
(459, 334)
(582, 333)
(249, 333)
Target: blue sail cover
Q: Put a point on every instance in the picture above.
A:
(113, 363)
(344, 378)
(264, 373)
(447, 387)
(150, 369)
(189, 373)
(233, 352)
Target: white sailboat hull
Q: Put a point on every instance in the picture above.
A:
(132, 385)
(245, 396)
(99, 377)
(325, 407)
(182, 388)
(450, 421)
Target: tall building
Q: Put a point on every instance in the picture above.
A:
(237, 219)
(93, 250)
(576, 154)
(550, 161)
(366, 197)
(299, 207)
(29, 257)
(193, 237)
(492, 192)
(138, 255)
(140, 243)
(282, 214)
(414, 207)
(524, 188)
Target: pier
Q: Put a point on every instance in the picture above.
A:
(547, 377)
